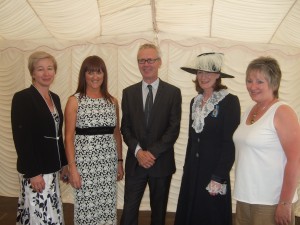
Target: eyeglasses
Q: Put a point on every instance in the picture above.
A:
(149, 61)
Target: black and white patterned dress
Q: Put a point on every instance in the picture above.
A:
(96, 160)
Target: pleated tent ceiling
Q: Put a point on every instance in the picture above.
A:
(114, 29)
(60, 21)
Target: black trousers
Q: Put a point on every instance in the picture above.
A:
(134, 190)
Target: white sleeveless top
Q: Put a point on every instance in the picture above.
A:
(260, 160)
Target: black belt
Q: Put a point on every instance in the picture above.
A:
(94, 130)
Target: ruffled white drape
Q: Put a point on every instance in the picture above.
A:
(113, 29)
(123, 71)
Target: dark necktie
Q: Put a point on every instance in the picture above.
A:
(149, 103)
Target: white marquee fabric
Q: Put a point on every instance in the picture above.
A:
(114, 29)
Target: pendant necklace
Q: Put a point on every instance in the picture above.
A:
(258, 111)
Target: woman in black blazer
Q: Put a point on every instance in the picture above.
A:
(37, 119)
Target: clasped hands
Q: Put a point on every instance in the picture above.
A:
(214, 188)
(145, 159)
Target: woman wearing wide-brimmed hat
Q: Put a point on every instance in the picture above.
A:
(205, 196)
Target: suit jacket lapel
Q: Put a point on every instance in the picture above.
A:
(139, 97)
(158, 94)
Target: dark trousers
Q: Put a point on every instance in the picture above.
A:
(134, 191)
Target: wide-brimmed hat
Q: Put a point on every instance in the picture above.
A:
(209, 62)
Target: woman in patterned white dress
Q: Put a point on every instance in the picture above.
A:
(93, 146)
(37, 119)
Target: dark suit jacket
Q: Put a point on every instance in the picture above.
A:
(32, 125)
(160, 136)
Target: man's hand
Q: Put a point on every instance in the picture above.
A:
(145, 159)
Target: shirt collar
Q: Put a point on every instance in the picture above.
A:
(154, 84)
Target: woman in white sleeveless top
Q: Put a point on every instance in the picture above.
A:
(267, 145)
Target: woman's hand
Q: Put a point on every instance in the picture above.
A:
(214, 188)
(120, 171)
(64, 174)
(283, 214)
(74, 177)
(38, 183)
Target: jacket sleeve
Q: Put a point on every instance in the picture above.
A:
(231, 120)
(187, 154)
(22, 117)
(126, 124)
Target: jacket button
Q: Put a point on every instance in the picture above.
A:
(197, 155)
(198, 140)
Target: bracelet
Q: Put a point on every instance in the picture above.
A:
(120, 160)
(285, 203)
(70, 163)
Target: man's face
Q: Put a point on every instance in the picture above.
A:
(149, 63)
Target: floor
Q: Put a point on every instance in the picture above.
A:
(8, 206)
(8, 213)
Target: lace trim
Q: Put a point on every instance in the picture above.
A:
(199, 113)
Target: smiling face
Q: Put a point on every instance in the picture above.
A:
(258, 87)
(263, 73)
(149, 68)
(43, 73)
(94, 79)
(207, 80)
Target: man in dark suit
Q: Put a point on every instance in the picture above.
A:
(150, 127)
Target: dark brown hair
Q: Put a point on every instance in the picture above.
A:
(93, 64)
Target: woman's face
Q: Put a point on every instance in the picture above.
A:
(43, 73)
(258, 87)
(207, 80)
(94, 79)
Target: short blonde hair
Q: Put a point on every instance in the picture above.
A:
(36, 56)
(270, 68)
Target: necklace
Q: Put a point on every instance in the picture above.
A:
(205, 101)
(259, 111)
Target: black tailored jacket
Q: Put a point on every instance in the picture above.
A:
(160, 136)
(210, 155)
(40, 150)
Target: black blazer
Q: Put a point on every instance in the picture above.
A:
(160, 136)
(34, 134)
(214, 144)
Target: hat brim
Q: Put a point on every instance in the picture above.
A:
(194, 71)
